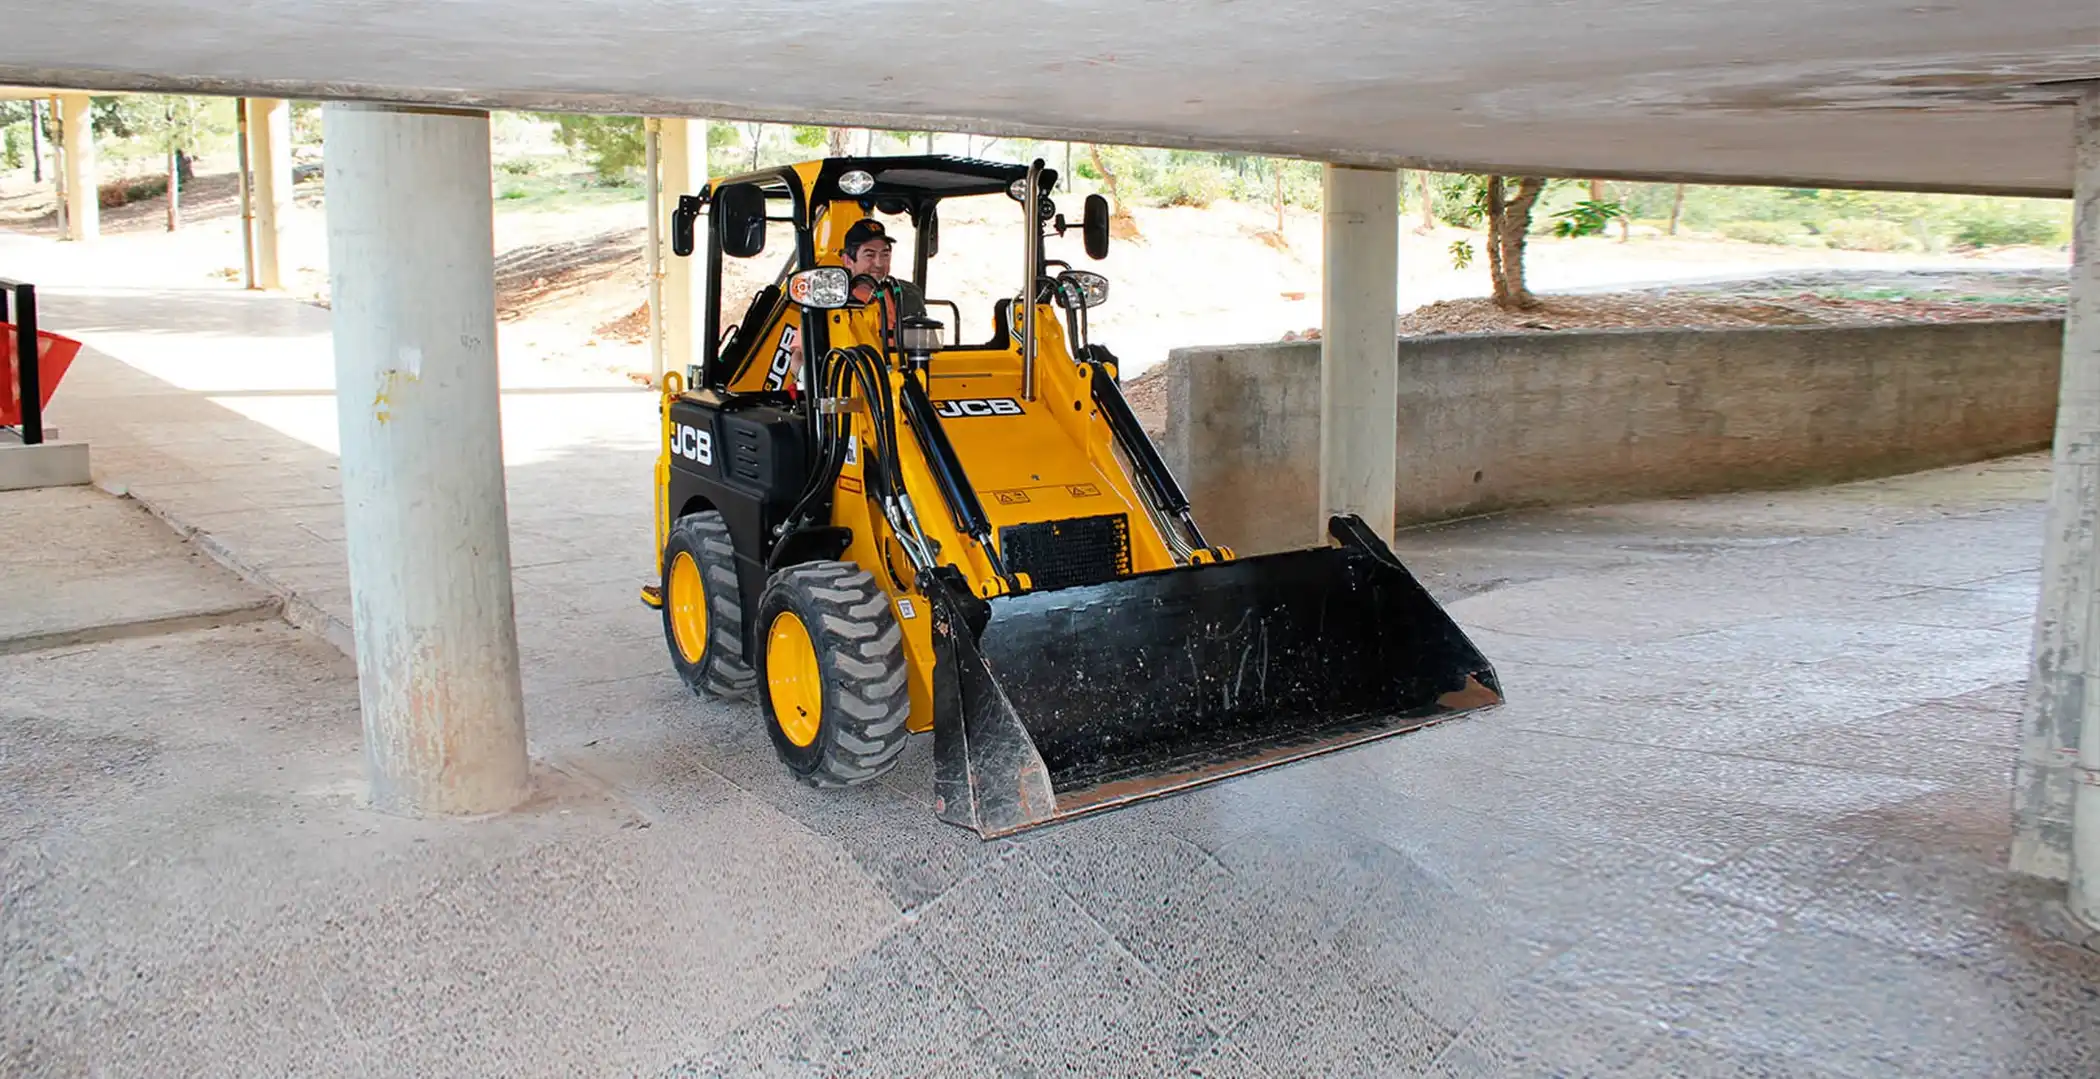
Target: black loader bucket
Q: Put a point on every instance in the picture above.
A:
(1053, 704)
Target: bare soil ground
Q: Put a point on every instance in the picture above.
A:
(1629, 310)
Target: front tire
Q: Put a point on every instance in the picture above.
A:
(703, 612)
(831, 676)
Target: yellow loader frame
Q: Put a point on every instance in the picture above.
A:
(979, 541)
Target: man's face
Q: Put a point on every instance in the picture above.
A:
(871, 258)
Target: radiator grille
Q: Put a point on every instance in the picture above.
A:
(1076, 551)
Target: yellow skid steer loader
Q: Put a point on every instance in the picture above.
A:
(882, 526)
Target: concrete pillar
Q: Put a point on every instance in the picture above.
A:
(270, 155)
(83, 207)
(1359, 370)
(2056, 804)
(682, 156)
(412, 276)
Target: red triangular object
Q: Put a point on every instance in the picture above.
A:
(54, 355)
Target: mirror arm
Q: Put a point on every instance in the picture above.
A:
(682, 218)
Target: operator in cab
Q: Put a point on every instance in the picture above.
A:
(866, 255)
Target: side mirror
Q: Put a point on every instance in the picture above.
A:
(930, 233)
(682, 220)
(740, 219)
(1095, 227)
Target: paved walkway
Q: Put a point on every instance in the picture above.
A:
(1745, 813)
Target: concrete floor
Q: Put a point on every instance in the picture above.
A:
(1745, 814)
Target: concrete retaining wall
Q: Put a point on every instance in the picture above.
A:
(1498, 421)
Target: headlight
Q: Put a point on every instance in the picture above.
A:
(857, 182)
(1018, 190)
(1078, 288)
(826, 287)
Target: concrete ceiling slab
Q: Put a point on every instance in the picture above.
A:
(1966, 95)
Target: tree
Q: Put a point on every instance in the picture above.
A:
(1509, 218)
(177, 126)
(1471, 199)
(1120, 224)
(306, 122)
(614, 145)
(1277, 167)
(17, 112)
(758, 139)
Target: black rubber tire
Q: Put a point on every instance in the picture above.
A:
(721, 670)
(860, 658)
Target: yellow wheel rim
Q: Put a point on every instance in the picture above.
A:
(792, 680)
(688, 606)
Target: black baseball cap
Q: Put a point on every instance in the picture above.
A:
(863, 230)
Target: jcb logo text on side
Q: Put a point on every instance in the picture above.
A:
(977, 406)
(693, 444)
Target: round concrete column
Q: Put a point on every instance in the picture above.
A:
(1359, 345)
(411, 257)
(683, 162)
(270, 155)
(83, 189)
(2071, 563)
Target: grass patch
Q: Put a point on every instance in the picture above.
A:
(545, 193)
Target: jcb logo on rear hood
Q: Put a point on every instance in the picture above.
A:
(977, 406)
(693, 444)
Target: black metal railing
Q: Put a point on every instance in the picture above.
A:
(20, 297)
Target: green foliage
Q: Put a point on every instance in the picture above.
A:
(1256, 185)
(111, 117)
(812, 137)
(165, 123)
(1461, 254)
(14, 152)
(612, 145)
(1460, 199)
(1868, 234)
(1189, 185)
(306, 123)
(1980, 222)
(1763, 232)
(1586, 218)
(1930, 222)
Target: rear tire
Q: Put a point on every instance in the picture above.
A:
(831, 676)
(703, 612)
